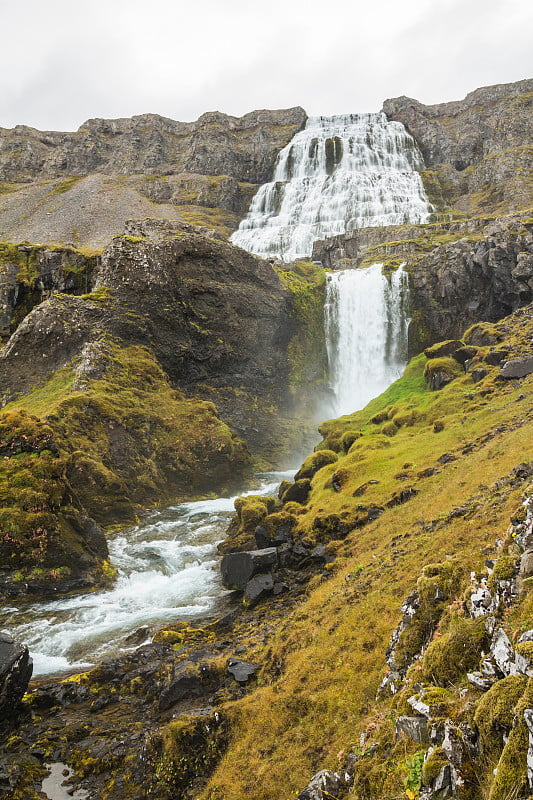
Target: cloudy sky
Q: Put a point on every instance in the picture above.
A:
(63, 61)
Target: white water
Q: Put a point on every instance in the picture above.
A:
(168, 571)
(366, 334)
(338, 174)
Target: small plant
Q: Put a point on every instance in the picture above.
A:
(413, 780)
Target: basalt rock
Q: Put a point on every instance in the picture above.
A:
(16, 668)
(58, 184)
(476, 148)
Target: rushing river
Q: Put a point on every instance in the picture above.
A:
(167, 572)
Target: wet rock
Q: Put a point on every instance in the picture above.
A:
(59, 694)
(237, 569)
(324, 785)
(241, 671)
(517, 368)
(415, 727)
(16, 668)
(258, 587)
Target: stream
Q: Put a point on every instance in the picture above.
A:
(167, 572)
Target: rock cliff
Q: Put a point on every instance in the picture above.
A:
(459, 272)
(478, 151)
(81, 187)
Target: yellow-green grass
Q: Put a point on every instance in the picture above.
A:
(325, 662)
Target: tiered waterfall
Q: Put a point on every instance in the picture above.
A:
(338, 174)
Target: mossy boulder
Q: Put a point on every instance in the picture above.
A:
(315, 462)
(251, 511)
(441, 371)
(449, 657)
(441, 349)
(495, 713)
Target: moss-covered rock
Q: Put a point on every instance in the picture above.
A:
(314, 462)
(449, 657)
(441, 371)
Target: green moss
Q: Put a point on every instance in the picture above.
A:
(504, 568)
(192, 746)
(433, 765)
(437, 586)
(495, 712)
(306, 350)
(440, 371)
(449, 657)
(315, 462)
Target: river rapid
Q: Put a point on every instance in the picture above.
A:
(167, 572)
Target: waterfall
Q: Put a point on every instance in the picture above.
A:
(366, 334)
(338, 174)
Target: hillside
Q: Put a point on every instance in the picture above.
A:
(378, 641)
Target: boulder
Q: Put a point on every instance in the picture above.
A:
(415, 727)
(517, 368)
(258, 587)
(16, 668)
(298, 492)
(238, 568)
(241, 671)
(190, 680)
(325, 784)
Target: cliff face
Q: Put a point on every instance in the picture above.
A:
(478, 151)
(459, 272)
(81, 187)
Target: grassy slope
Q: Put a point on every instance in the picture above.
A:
(121, 442)
(325, 662)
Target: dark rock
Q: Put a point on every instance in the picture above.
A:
(442, 349)
(319, 553)
(464, 354)
(238, 568)
(258, 587)
(16, 668)
(416, 728)
(495, 357)
(517, 368)
(298, 492)
(478, 374)
(59, 694)
(445, 458)
(241, 671)
(190, 680)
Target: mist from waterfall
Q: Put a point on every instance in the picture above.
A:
(338, 174)
(366, 323)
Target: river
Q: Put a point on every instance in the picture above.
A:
(167, 572)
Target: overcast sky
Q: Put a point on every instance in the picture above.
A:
(64, 61)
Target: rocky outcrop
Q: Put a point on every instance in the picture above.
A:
(30, 274)
(16, 668)
(216, 318)
(81, 187)
(477, 150)
(459, 272)
(216, 144)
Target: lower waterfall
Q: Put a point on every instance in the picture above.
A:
(366, 326)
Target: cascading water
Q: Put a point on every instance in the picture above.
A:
(366, 334)
(167, 571)
(338, 174)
